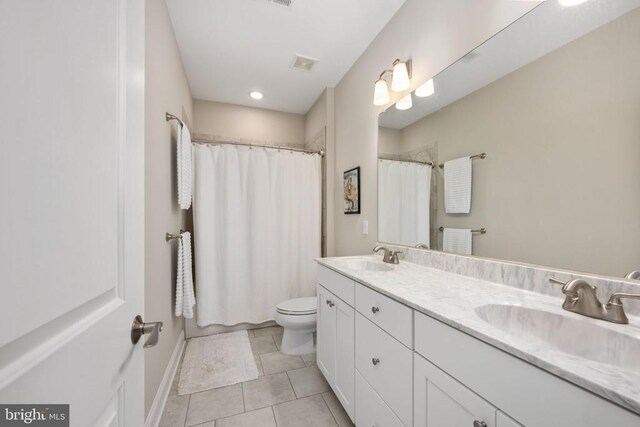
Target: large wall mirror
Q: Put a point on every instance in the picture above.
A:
(529, 147)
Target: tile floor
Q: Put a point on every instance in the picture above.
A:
(290, 392)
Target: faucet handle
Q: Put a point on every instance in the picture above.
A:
(558, 281)
(571, 282)
(615, 299)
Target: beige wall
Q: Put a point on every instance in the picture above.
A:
(424, 31)
(166, 91)
(237, 121)
(316, 118)
(559, 186)
(322, 115)
(389, 141)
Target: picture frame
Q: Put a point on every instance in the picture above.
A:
(351, 191)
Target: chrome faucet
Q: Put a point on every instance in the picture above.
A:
(390, 257)
(581, 298)
(421, 246)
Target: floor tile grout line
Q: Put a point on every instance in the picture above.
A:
(273, 411)
(186, 414)
(330, 411)
(244, 406)
(292, 387)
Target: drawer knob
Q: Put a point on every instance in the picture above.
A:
(327, 302)
(477, 423)
(331, 303)
(376, 361)
(374, 310)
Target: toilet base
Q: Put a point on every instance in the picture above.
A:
(298, 342)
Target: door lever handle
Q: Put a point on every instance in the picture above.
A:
(139, 328)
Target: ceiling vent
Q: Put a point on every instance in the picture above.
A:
(285, 3)
(470, 56)
(303, 63)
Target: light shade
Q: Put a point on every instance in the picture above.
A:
(381, 93)
(400, 79)
(404, 103)
(425, 89)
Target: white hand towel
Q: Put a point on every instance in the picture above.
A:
(457, 185)
(457, 240)
(183, 168)
(185, 296)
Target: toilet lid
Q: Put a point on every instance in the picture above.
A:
(298, 306)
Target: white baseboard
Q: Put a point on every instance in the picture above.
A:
(157, 407)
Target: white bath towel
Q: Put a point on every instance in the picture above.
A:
(183, 169)
(185, 297)
(457, 185)
(457, 241)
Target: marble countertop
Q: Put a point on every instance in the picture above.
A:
(452, 299)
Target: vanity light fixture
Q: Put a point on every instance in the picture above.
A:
(400, 81)
(381, 92)
(256, 95)
(400, 78)
(404, 103)
(425, 89)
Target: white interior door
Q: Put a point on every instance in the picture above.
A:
(72, 206)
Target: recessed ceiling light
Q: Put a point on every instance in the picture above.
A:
(256, 95)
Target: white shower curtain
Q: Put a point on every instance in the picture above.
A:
(404, 190)
(257, 219)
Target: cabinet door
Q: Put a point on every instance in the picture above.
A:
(504, 421)
(345, 350)
(441, 401)
(326, 334)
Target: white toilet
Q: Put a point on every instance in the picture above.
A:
(298, 318)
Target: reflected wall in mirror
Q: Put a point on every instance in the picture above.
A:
(554, 102)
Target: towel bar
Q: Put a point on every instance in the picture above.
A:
(480, 231)
(475, 156)
(169, 116)
(169, 237)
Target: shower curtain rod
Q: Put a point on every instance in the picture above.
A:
(248, 144)
(406, 161)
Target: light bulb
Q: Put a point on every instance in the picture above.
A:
(404, 103)
(400, 79)
(381, 93)
(256, 95)
(425, 89)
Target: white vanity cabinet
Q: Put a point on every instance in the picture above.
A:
(527, 394)
(503, 420)
(336, 336)
(441, 401)
(392, 366)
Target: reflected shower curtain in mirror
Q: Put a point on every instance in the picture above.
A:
(257, 219)
(404, 190)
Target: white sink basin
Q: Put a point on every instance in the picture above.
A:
(364, 265)
(566, 334)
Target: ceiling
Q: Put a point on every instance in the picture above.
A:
(232, 47)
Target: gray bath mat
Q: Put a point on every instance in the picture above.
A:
(217, 361)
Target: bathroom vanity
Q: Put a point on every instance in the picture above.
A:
(408, 345)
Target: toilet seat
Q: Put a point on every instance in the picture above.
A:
(298, 307)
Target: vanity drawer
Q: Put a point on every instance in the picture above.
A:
(390, 315)
(339, 285)
(387, 365)
(371, 409)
